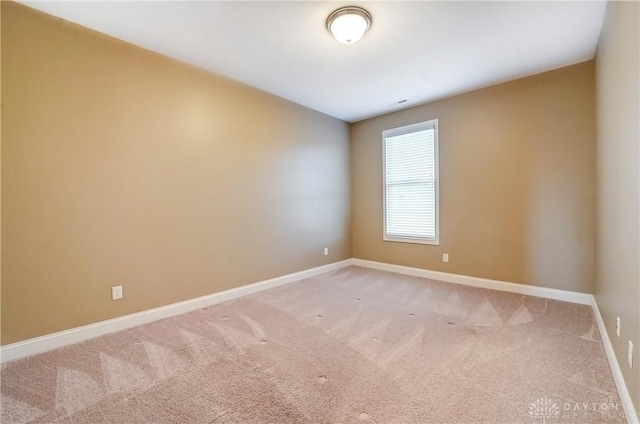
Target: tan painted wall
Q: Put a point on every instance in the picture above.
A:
(516, 182)
(0, 173)
(120, 166)
(617, 287)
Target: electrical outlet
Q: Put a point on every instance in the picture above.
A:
(618, 326)
(445, 257)
(116, 292)
(630, 354)
(326, 251)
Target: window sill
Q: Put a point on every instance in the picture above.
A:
(435, 242)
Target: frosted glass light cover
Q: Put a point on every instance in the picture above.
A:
(348, 28)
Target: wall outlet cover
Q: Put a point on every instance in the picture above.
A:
(116, 292)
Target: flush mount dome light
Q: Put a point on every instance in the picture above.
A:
(348, 24)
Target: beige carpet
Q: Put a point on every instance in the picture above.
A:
(352, 346)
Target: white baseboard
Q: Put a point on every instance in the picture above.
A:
(564, 295)
(78, 334)
(625, 396)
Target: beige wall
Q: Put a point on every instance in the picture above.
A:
(120, 166)
(0, 173)
(516, 182)
(618, 179)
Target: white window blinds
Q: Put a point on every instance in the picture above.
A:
(411, 183)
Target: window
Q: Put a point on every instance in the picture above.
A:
(410, 156)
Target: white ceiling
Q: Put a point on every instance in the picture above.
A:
(418, 51)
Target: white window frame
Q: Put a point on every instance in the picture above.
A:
(420, 126)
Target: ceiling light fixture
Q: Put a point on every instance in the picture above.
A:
(348, 24)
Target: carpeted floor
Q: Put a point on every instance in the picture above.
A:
(351, 346)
